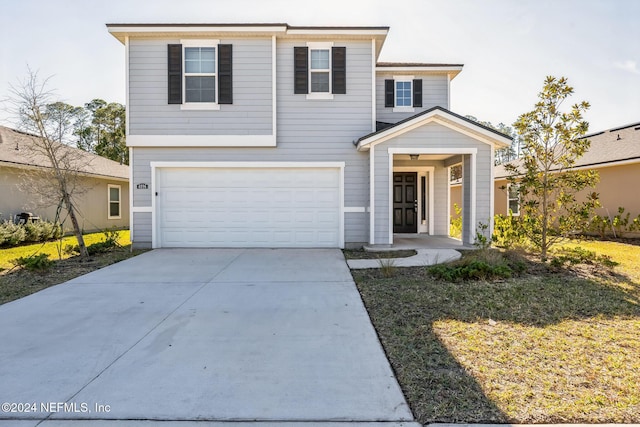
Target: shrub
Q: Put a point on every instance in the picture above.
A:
(387, 267)
(579, 255)
(507, 232)
(12, 234)
(34, 262)
(481, 265)
(109, 242)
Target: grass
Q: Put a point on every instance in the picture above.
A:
(18, 283)
(51, 248)
(550, 346)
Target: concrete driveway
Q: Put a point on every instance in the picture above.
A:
(226, 336)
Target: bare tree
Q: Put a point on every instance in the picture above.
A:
(51, 124)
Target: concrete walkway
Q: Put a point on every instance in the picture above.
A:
(199, 338)
(423, 257)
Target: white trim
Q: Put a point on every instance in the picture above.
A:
(320, 46)
(336, 31)
(403, 78)
(372, 196)
(274, 122)
(131, 195)
(429, 172)
(196, 29)
(200, 43)
(355, 209)
(126, 87)
(472, 171)
(509, 199)
(449, 92)
(320, 95)
(449, 201)
(201, 141)
(440, 117)
(142, 209)
(403, 109)
(373, 85)
(249, 164)
(438, 70)
(109, 201)
(155, 243)
(390, 197)
(210, 106)
(191, 43)
(438, 150)
(491, 194)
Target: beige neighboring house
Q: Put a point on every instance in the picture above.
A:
(614, 153)
(103, 204)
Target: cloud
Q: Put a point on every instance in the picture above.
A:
(628, 65)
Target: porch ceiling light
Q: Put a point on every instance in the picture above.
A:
(414, 156)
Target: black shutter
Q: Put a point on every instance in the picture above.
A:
(301, 69)
(389, 93)
(417, 93)
(339, 70)
(225, 74)
(174, 67)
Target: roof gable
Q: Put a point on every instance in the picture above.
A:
(439, 115)
(15, 150)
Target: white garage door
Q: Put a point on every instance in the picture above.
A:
(248, 207)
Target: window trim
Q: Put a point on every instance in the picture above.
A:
(509, 199)
(187, 43)
(109, 201)
(320, 46)
(396, 107)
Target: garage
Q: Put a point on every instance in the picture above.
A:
(230, 205)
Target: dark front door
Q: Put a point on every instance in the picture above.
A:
(405, 202)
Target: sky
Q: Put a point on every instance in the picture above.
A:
(507, 47)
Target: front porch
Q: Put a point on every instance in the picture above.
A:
(420, 241)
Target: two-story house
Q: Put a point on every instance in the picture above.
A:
(271, 135)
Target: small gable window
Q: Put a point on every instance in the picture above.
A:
(403, 94)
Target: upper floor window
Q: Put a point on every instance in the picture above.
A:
(200, 74)
(320, 70)
(403, 93)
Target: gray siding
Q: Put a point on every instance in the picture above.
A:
(307, 131)
(432, 135)
(250, 113)
(435, 92)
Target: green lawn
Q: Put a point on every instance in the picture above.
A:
(9, 254)
(551, 346)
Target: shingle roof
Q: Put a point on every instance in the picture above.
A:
(607, 147)
(16, 148)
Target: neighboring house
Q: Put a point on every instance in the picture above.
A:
(614, 153)
(104, 184)
(271, 135)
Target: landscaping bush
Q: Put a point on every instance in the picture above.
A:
(34, 262)
(484, 264)
(507, 232)
(109, 242)
(12, 234)
(579, 255)
(455, 229)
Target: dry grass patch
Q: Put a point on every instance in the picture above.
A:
(552, 346)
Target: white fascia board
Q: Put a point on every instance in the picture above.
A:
(447, 120)
(201, 141)
(439, 150)
(249, 164)
(337, 32)
(196, 29)
(439, 70)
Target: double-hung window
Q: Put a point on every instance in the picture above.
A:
(404, 93)
(513, 199)
(320, 70)
(113, 195)
(200, 74)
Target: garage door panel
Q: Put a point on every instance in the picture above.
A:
(248, 207)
